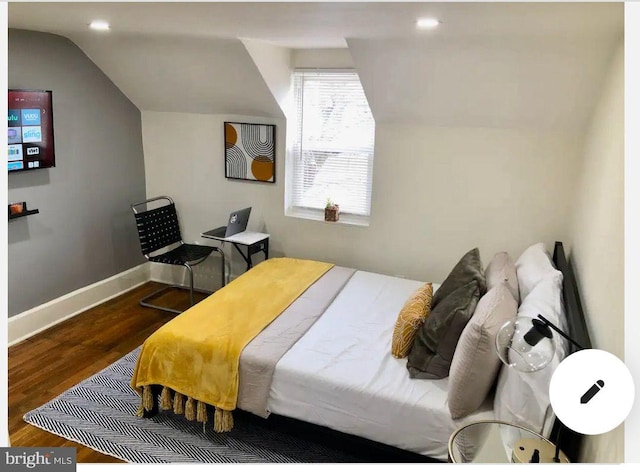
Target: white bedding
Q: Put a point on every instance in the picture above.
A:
(341, 374)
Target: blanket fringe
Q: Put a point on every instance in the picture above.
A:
(178, 404)
(190, 409)
(222, 421)
(147, 398)
(201, 412)
(165, 399)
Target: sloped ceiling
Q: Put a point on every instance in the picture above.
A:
(177, 74)
(544, 84)
(511, 65)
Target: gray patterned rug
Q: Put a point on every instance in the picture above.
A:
(100, 413)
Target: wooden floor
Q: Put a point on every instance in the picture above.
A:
(51, 362)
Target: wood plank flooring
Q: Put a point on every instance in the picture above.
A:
(51, 362)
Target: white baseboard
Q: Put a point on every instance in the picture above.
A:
(30, 322)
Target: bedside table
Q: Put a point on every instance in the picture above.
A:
(494, 441)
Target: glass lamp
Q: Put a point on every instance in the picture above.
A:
(525, 345)
(528, 345)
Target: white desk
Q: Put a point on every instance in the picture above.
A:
(254, 242)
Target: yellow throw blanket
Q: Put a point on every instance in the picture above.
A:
(197, 354)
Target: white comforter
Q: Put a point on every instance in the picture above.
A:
(341, 374)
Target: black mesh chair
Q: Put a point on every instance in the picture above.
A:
(161, 241)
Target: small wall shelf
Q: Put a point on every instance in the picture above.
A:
(24, 212)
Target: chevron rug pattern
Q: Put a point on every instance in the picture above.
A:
(100, 413)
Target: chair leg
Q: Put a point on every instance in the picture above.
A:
(190, 269)
(191, 288)
(146, 304)
(190, 282)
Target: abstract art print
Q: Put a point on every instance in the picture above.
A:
(249, 152)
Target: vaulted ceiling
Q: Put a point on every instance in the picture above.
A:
(517, 65)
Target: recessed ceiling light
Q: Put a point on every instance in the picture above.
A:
(427, 23)
(99, 25)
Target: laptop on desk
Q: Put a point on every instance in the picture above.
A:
(237, 224)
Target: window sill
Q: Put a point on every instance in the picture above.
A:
(318, 215)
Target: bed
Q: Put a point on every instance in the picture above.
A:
(325, 361)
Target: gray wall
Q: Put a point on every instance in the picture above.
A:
(85, 230)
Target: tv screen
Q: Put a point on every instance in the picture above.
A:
(30, 130)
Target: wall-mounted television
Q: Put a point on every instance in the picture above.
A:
(30, 130)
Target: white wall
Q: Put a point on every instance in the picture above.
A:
(274, 64)
(322, 58)
(597, 237)
(184, 155)
(447, 190)
(437, 193)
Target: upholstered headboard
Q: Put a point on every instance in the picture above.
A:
(569, 440)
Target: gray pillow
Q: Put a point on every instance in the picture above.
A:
(432, 351)
(500, 270)
(475, 364)
(467, 269)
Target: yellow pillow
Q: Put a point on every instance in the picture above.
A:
(410, 319)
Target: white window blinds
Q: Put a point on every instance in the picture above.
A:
(333, 145)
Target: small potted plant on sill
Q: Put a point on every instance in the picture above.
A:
(331, 211)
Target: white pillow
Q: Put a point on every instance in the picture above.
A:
(546, 300)
(523, 398)
(533, 265)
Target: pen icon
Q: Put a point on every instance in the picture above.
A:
(589, 394)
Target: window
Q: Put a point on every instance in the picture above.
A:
(332, 153)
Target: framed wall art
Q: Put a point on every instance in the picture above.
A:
(250, 152)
